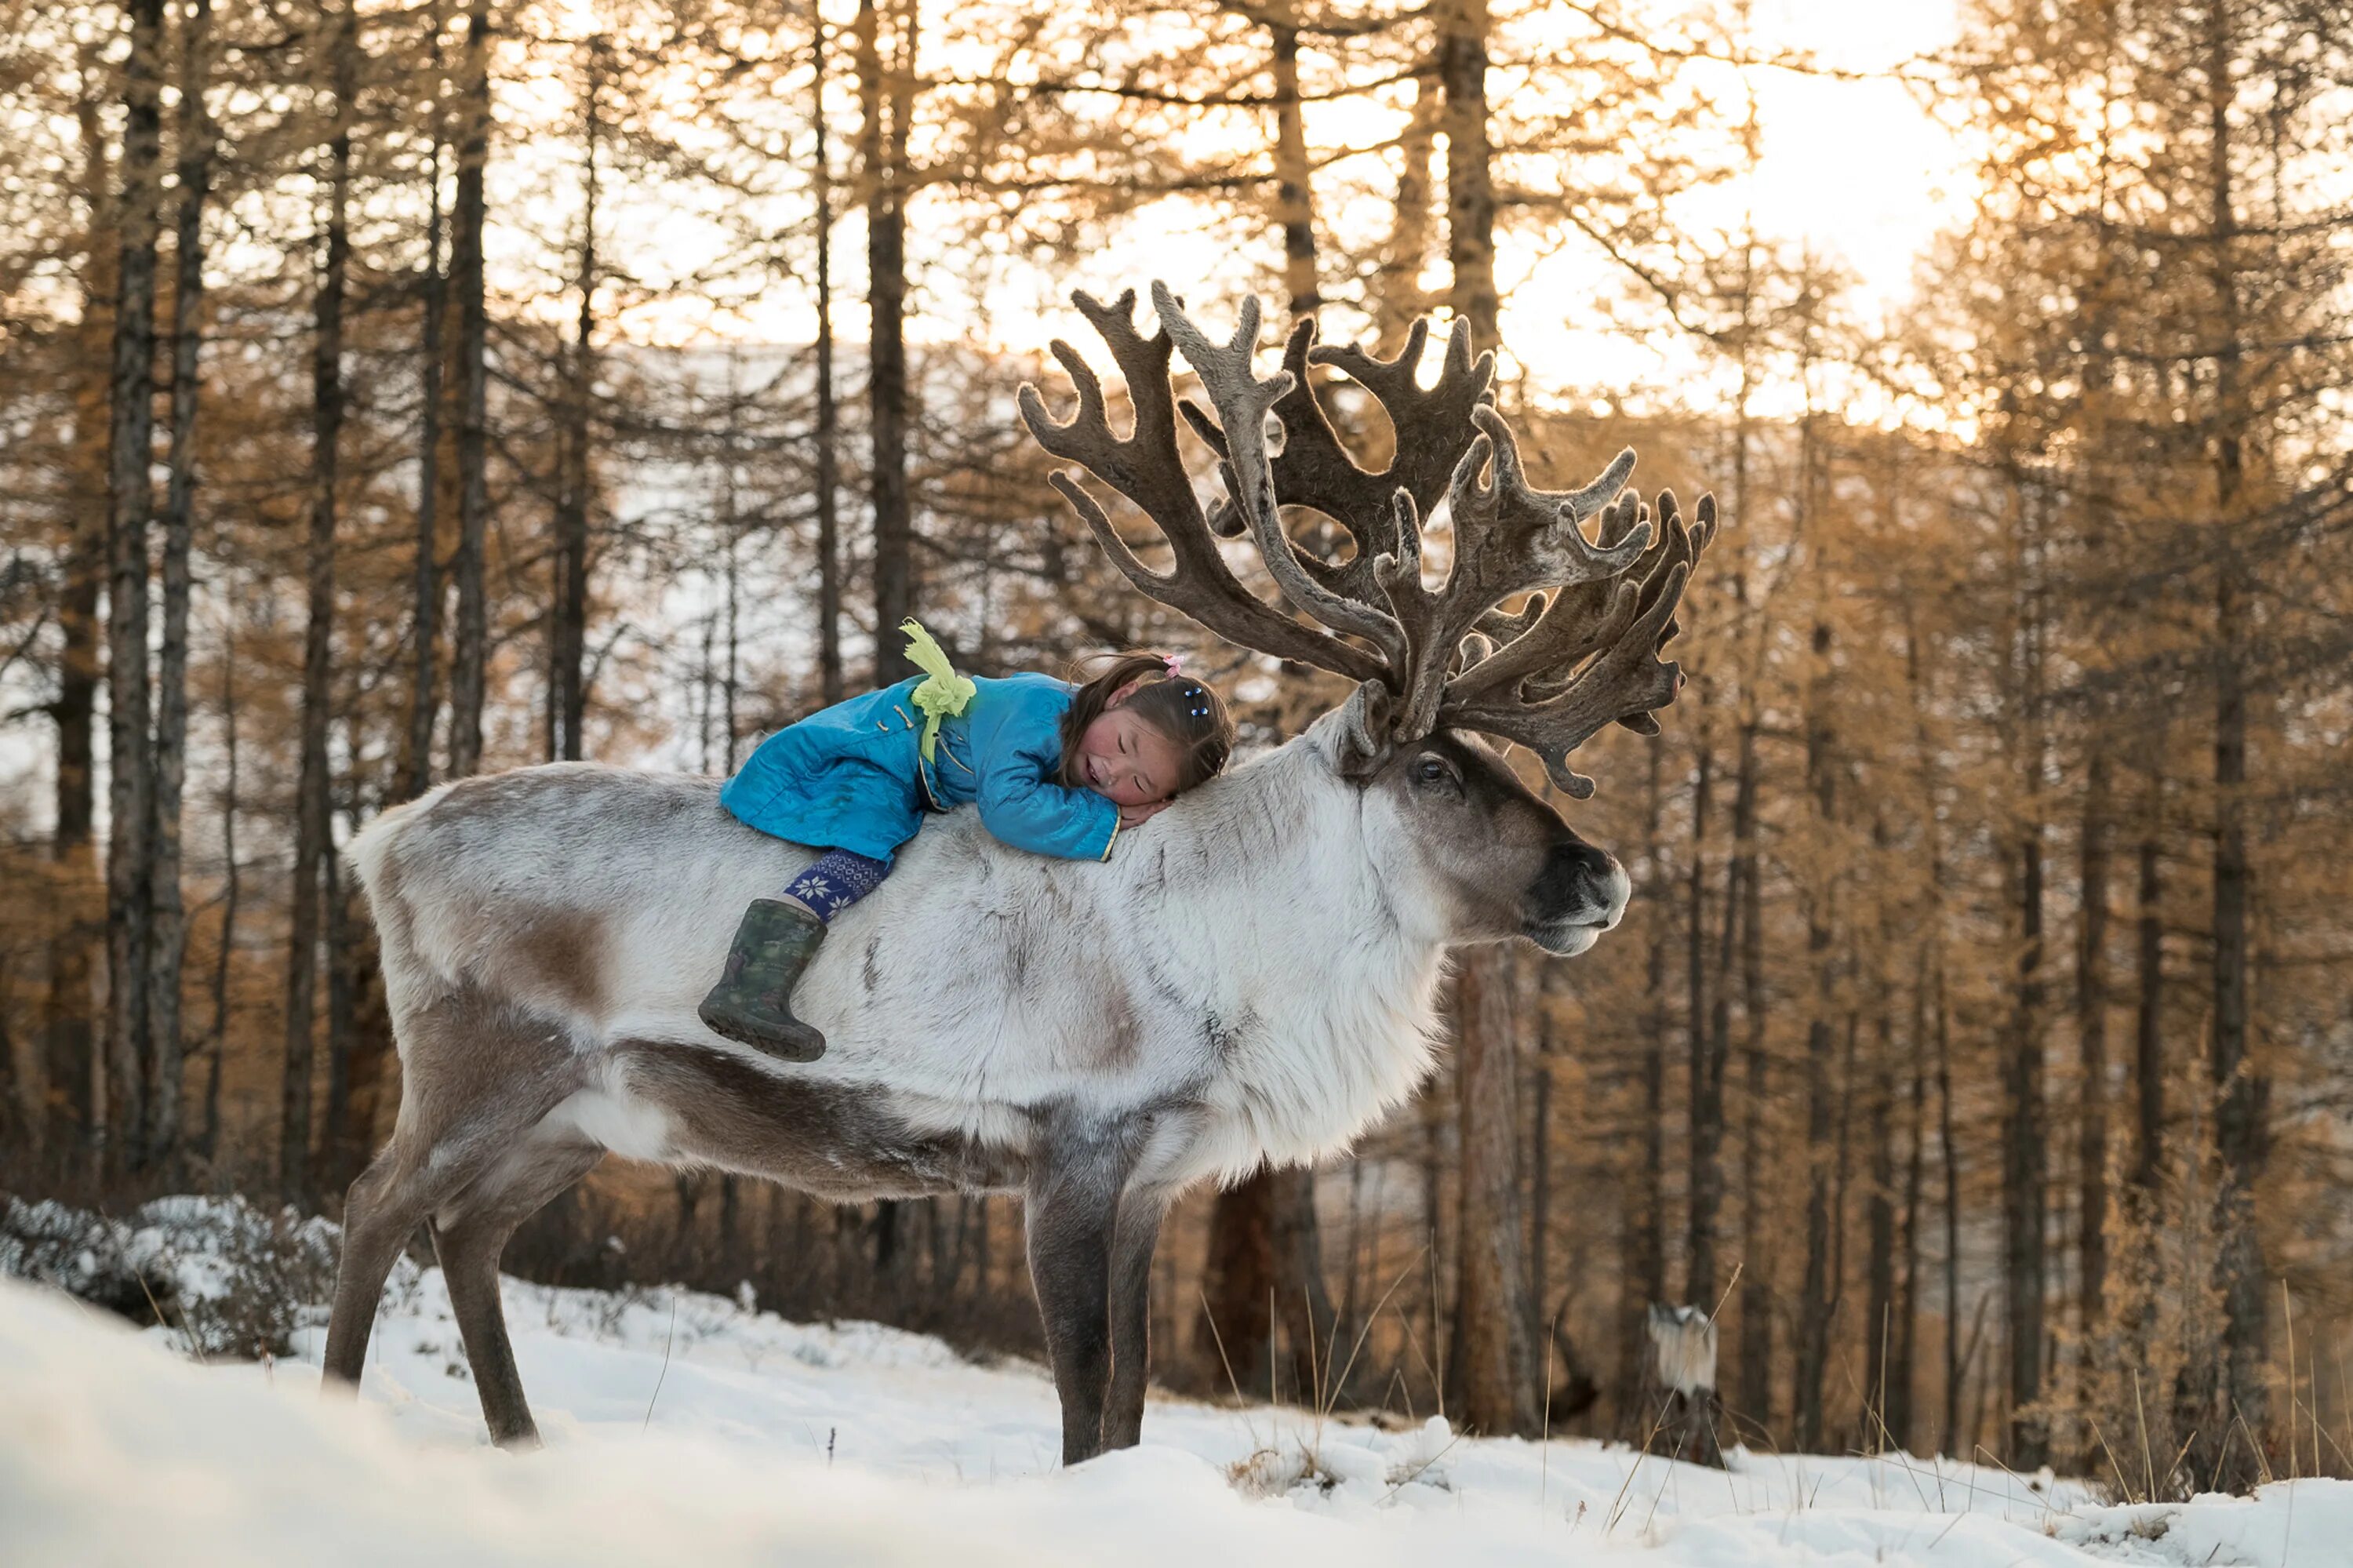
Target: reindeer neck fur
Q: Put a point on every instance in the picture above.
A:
(1288, 965)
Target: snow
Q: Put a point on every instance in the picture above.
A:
(685, 1428)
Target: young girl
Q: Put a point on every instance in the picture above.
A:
(1055, 768)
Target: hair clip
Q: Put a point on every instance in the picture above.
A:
(1175, 663)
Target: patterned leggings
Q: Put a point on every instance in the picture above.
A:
(836, 880)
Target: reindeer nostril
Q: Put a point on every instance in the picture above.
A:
(1582, 883)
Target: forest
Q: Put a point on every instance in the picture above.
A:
(398, 390)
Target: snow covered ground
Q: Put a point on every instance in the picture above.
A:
(682, 1429)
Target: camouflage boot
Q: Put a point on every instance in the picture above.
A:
(751, 1003)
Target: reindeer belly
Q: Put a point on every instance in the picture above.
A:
(630, 1127)
(682, 1105)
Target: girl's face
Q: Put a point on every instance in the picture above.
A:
(1126, 760)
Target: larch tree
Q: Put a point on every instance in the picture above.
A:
(335, 45)
(130, 785)
(197, 138)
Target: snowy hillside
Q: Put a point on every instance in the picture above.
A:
(682, 1429)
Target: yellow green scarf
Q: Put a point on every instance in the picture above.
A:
(945, 693)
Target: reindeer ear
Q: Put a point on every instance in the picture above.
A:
(1365, 723)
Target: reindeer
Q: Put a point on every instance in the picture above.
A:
(1251, 978)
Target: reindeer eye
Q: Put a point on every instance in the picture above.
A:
(1432, 769)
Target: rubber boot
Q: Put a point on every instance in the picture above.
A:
(751, 1003)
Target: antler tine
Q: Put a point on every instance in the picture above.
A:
(1420, 615)
(1625, 680)
(1678, 542)
(1243, 403)
(1514, 538)
(1149, 469)
(1430, 427)
(1396, 380)
(1509, 538)
(1569, 628)
(1628, 678)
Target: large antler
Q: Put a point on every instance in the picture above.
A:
(1590, 656)
(1430, 427)
(1148, 468)
(1567, 666)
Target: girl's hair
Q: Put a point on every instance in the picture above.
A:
(1181, 708)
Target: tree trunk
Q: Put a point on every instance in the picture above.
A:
(340, 1006)
(1294, 210)
(2242, 1090)
(1469, 178)
(2023, 1164)
(1499, 1370)
(311, 805)
(1265, 1219)
(1238, 1289)
(1756, 1369)
(1814, 1297)
(886, 90)
(828, 526)
(1433, 1218)
(1743, 931)
(1263, 1289)
(1539, 1195)
(1398, 296)
(1497, 1363)
(68, 1028)
(12, 1108)
(368, 1068)
(170, 938)
(1879, 1224)
(2149, 1017)
(567, 691)
(1903, 1368)
(2092, 1044)
(1705, 1194)
(470, 650)
(1646, 1220)
(216, 1040)
(415, 774)
(129, 770)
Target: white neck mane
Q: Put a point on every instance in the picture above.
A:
(1263, 890)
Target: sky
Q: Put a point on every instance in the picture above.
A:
(1860, 167)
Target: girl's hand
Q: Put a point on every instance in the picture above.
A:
(1135, 816)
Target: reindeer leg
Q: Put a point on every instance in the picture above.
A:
(380, 1211)
(468, 1235)
(1070, 1211)
(441, 1143)
(1133, 1235)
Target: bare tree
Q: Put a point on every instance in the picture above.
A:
(886, 90)
(197, 139)
(433, 285)
(567, 693)
(338, 36)
(827, 433)
(129, 780)
(470, 649)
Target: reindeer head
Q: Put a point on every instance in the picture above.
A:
(1434, 666)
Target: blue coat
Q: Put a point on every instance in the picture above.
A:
(851, 777)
